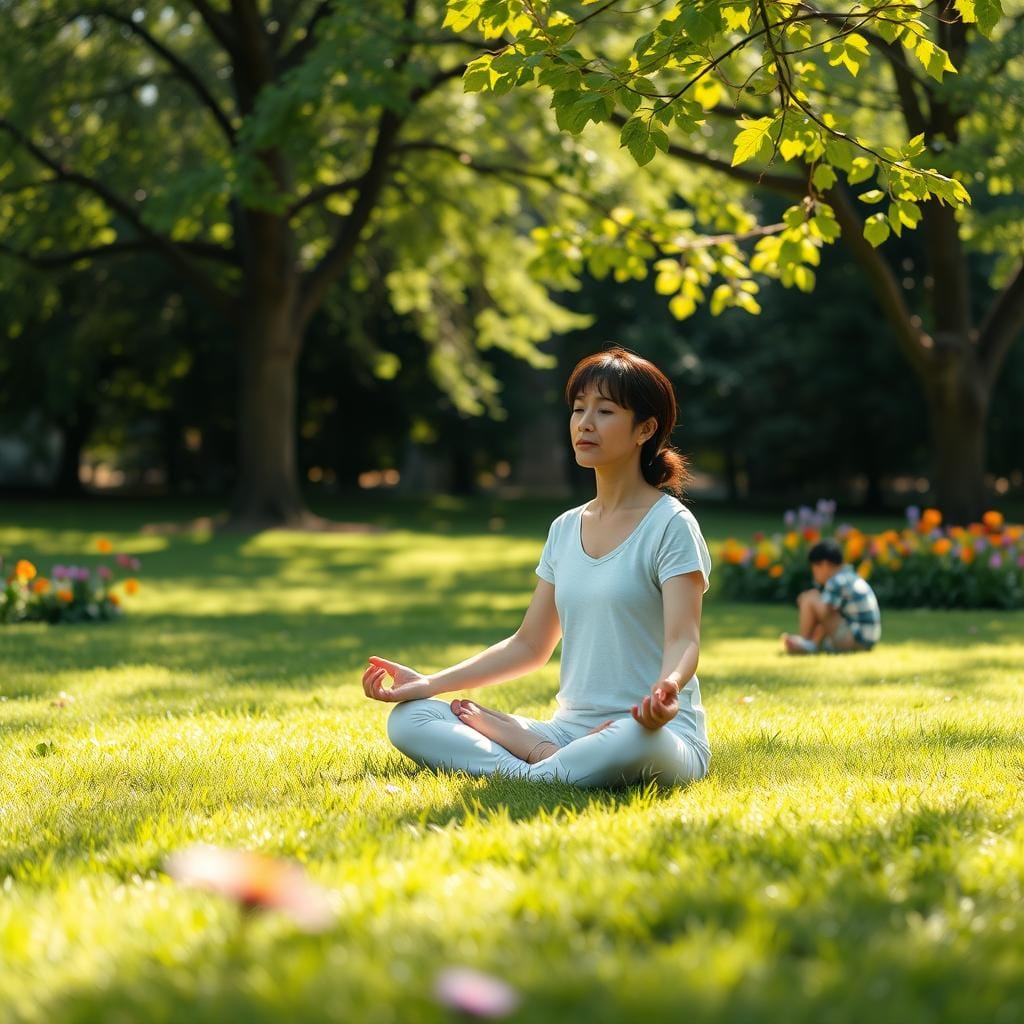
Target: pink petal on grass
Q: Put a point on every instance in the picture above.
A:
(254, 881)
(475, 993)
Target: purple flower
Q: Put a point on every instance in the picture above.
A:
(804, 514)
(789, 518)
(996, 561)
(475, 994)
(980, 544)
(59, 572)
(913, 515)
(1020, 561)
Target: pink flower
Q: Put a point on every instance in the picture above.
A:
(128, 562)
(255, 881)
(104, 572)
(996, 561)
(474, 993)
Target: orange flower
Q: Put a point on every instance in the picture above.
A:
(24, 570)
(890, 537)
(41, 585)
(792, 540)
(114, 599)
(775, 571)
(66, 596)
(976, 530)
(942, 546)
(864, 569)
(131, 585)
(930, 519)
(854, 547)
(733, 552)
(993, 520)
(967, 554)
(763, 560)
(1015, 533)
(103, 546)
(811, 535)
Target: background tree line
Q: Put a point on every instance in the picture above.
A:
(250, 239)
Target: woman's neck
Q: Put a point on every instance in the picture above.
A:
(619, 489)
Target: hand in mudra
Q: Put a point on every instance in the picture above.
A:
(660, 707)
(407, 683)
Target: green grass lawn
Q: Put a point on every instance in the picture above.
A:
(856, 854)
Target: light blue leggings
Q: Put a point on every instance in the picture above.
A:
(429, 732)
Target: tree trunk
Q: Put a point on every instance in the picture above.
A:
(958, 400)
(75, 432)
(267, 491)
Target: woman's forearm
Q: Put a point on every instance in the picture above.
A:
(680, 661)
(508, 659)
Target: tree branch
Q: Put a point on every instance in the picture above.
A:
(1002, 325)
(55, 261)
(217, 22)
(318, 195)
(298, 52)
(337, 258)
(184, 72)
(171, 250)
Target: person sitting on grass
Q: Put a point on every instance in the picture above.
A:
(622, 579)
(842, 616)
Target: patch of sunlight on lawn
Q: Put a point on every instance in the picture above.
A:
(856, 852)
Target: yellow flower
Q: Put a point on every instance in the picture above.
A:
(131, 585)
(864, 569)
(792, 540)
(103, 546)
(854, 547)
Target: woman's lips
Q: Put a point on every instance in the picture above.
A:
(586, 444)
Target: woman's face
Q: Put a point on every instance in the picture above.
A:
(603, 433)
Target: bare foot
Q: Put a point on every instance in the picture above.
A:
(503, 729)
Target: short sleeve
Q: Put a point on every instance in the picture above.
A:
(832, 592)
(545, 567)
(682, 550)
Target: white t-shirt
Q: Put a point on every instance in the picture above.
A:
(612, 615)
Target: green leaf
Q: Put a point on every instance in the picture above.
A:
(643, 138)
(988, 13)
(876, 230)
(823, 178)
(873, 195)
(753, 141)
(682, 306)
(860, 170)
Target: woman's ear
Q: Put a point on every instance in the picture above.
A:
(648, 430)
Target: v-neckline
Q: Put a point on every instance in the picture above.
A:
(623, 543)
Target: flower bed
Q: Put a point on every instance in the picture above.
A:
(71, 593)
(924, 565)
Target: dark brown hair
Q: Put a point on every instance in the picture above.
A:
(637, 384)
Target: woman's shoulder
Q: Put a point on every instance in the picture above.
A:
(676, 512)
(569, 516)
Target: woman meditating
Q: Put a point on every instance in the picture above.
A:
(621, 583)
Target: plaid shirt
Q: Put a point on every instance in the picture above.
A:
(854, 599)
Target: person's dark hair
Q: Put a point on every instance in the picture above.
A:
(637, 384)
(825, 551)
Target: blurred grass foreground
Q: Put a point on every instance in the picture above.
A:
(857, 851)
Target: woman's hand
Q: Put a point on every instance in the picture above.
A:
(660, 708)
(407, 684)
